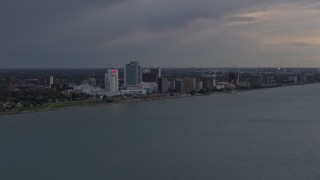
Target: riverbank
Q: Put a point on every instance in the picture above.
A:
(119, 100)
(70, 104)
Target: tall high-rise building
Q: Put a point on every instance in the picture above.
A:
(157, 72)
(132, 74)
(151, 75)
(179, 85)
(51, 80)
(199, 84)
(111, 80)
(163, 85)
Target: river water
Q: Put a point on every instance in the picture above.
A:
(264, 134)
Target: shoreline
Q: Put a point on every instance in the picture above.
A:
(75, 104)
(83, 103)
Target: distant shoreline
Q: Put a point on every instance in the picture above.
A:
(83, 103)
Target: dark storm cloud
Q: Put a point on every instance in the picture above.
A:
(82, 33)
(38, 32)
(26, 20)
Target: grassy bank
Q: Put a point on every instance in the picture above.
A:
(50, 106)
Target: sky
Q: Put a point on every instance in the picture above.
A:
(164, 33)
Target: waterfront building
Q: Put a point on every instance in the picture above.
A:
(111, 80)
(225, 85)
(51, 80)
(293, 78)
(151, 75)
(92, 82)
(150, 87)
(172, 84)
(83, 88)
(189, 83)
(163, 85)
(245, 84)
(260, 79)
(45, 81)
(303, 77)
(12, 82)
(132, 75)
(179, 85)
(234, 78)
(199, 85)
(207, 82)
(133, 92)
(157, 72)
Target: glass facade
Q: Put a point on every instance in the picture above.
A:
(132, 73)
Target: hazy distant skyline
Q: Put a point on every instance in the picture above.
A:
(166, 33)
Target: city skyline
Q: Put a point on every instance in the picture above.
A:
(79, 34)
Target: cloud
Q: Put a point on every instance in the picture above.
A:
(301, 44)
(98, 33)
(244, 19)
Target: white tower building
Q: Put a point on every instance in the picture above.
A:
(111, 80)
